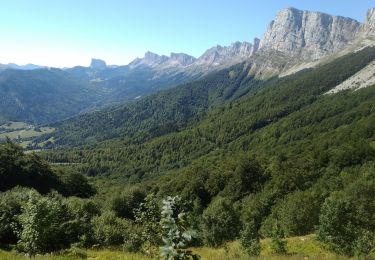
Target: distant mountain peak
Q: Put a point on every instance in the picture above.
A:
(182, 58)
(98, 64)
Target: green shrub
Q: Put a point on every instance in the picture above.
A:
(11, 203)
(278, 243)
(250, 239)
(125, 203)
(176, 232)
(46, 225)
(220, 222)
(109, 230)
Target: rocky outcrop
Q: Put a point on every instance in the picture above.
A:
(309, 35)
(369, 25)
(97, 64)
(181, 59)
(222, 56)
(294, 40)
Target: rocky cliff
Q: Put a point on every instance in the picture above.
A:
(309, 35)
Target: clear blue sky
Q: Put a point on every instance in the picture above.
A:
(70, 32)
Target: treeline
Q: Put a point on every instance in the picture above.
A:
(29, 170)
(246, 197)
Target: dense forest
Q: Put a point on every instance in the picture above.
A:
(229, 156)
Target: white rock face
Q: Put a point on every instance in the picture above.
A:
(181, 59)
(235, 53)
(309, 35)
(294, 40)
(369, 26)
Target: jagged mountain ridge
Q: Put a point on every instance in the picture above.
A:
(293, 37)
(293, 41)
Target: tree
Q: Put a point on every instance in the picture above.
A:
(250, 239)
(220, 222)
(45, 225)
(278, 244)
(109, 230)
(176, 233)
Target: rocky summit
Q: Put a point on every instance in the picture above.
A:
(310, 35)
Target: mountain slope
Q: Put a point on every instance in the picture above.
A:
(41, 96)
(283, 115)
(167, 111)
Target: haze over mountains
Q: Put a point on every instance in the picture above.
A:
(294, 40)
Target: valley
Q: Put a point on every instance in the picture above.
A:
(23, 133)
(255, 150)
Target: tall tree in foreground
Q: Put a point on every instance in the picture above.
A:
(176, 233)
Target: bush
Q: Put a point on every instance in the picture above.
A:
(11, 203)
(346, 222)
(176, 233)
(250, 239)
(220, 222)
(83, 210)
(297, 214)
(278, 244)
(46, 225)
(109, 230)
(125, 203)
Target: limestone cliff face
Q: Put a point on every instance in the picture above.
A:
(294, 39)
(369, 25)
(222, 56)
(309, 35)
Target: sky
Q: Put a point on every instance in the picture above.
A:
(66, 33)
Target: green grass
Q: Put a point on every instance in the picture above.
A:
(14, 125)
(27, 133)
(305, 247)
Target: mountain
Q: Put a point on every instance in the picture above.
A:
(294, 41)
(97, 64)
(21, 67)
(297, 39)
(369, 25)
(310, 35)
(221, 115)
(43, 95)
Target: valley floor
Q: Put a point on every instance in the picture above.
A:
(304, 247)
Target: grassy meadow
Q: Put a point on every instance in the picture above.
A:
(304, 247)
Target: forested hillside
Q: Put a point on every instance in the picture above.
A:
(42, 95)
(247, 160)
(133, 137)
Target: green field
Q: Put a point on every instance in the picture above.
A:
(22, 132)
(305, 247)
(27, 133)
(14, 125)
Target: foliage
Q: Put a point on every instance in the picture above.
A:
(346, 223)
(30, 170)
(250, 239)
(278, 243)
(109, 230)
(11, 203)
(220, 222)
(147, 215)
(176, 233)
(45, 225)
(126, 202)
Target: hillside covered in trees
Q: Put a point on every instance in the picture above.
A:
(247, 159)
